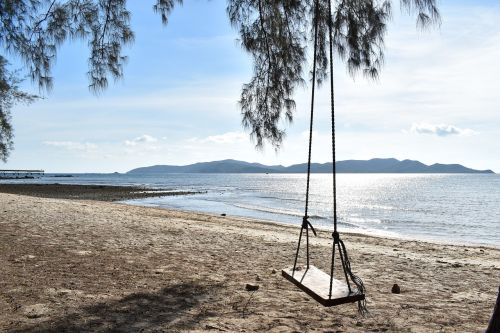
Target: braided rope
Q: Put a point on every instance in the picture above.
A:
(305, 222)
(332, 108)
(362, 309)
(346, 263)
(316, 10)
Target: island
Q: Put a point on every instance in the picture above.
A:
(375, 165)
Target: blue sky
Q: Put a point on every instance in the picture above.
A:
(437, 99)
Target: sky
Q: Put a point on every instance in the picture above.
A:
(437, 99)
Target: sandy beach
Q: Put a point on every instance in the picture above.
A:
(96, 266)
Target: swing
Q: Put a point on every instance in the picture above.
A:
(323, 287)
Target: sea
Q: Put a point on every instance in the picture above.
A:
(463, 209)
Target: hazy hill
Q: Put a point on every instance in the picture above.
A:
(376, 165)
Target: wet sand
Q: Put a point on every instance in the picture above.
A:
(92, 266)
(88, 192)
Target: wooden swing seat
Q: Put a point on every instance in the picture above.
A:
(316, 284)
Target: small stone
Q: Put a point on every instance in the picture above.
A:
(258, 278)
(63, 292)
(456, 265)
(212, 327)
(273, 271)
(359, 324)
(252, 287)
(35, 311)
(83, 253)
(396, 289)
(223, 214)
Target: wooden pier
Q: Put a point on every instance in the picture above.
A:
(21, 174)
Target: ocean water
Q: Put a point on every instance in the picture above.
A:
(449, 208)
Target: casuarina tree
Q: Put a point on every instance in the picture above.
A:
(277, 34)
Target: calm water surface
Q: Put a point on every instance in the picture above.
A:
(462, 209)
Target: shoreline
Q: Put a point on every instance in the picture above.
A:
(120, 194)
(317, 228)
(87, 266)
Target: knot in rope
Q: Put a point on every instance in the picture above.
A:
(306, 224)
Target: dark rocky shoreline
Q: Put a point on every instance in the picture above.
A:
(88, 192)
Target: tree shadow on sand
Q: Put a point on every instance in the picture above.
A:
(163, 311)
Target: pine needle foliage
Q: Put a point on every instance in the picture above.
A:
(9, 94)
(279, 33)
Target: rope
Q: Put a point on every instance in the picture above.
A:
(362, 309)
(345, 262)
(305, 221)
(312, 106)
(332, 108)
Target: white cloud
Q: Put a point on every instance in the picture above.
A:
(215, 95)
(140, 140)
(448, 75)
(440, 129)
(72, 145)
(226, 138)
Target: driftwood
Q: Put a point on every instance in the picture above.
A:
(494, 326)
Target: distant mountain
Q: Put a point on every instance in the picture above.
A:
(376, 165)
